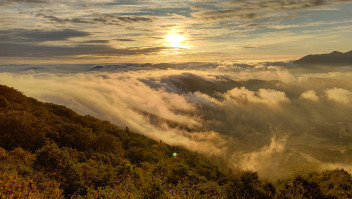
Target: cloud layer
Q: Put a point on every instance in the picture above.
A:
(261, 123)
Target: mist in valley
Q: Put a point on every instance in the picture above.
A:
(275, 118)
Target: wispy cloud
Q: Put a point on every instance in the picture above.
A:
(250, 10)
(108, 19)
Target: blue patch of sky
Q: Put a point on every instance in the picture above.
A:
(297, 30)
(260, 30)
(305, 21)
(342, 12)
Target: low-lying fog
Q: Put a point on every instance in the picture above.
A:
(275, 118)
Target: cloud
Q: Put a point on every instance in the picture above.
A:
(125, 39)
(339, 95)
(123, 100)
(36, 35)
(262, 96)
(11, 2)
(263, 124)
(241, 24)
(266, 160)
(251, 10)
(284, 74)
(32, 50)
(211, 143)
(97, 41)
(250, 47)
(61, 20)
(200, 98)
(310, 95)
(108, 19)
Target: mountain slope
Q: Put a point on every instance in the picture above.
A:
(49, 151)
(82, 155)
(328, 59)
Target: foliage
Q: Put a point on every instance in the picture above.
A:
(49, 151)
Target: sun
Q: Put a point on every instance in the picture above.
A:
(175, 40)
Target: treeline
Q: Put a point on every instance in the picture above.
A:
(49, 151)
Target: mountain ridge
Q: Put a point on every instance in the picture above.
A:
(334, 57)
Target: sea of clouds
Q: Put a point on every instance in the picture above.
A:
(274, 118)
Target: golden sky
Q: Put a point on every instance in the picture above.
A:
(115, 31)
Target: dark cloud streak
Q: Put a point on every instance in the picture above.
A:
(12, 2)
(60, 20)
(98, 41)
(23, 35)
(31, 50)
(107, 19)
(125, 40)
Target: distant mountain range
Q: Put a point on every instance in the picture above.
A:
(334, 57)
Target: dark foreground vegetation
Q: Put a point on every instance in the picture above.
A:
(49, 151)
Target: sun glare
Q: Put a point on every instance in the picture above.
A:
(175, 40)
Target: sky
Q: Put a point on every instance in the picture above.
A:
(153, 31)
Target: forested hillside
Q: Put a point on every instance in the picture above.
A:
(49, 151)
